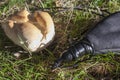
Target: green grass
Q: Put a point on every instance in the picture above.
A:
(70, 25)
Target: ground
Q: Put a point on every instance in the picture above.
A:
(70, 25)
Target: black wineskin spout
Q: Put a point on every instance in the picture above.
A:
(74, 52)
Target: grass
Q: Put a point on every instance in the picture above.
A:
(71, 25)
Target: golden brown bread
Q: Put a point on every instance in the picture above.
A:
(29, 32)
